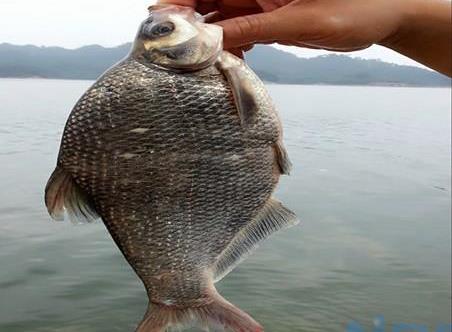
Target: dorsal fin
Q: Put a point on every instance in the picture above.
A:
(62, 194)
(273, 217)
(241, 83)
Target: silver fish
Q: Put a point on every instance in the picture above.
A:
(178, 149)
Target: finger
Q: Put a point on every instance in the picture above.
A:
(239, 4)
(240, 51)
(212, 17)
(205, 7)
(247, 48)
(267, 5)
(237, 52)
(187, 3)
(297, 43)
(234, 11)
(248, 29)
(281, 2)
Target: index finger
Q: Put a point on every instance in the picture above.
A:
(186, 3)
(201, 6)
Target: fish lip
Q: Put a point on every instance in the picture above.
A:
(190, 68)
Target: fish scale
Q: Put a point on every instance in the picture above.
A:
(181, 181)
(207, 211)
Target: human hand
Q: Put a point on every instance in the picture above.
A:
(341, 25)
(419, 29)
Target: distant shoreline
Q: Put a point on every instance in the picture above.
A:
(270, 64)
(381, 85)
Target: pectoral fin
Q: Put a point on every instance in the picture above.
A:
(282, 158)
(62, 194)
(241, 83)
(273, 217)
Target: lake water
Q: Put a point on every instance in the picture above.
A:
(371, 183)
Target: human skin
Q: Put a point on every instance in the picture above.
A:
(419, 29)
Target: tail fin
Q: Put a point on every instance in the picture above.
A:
(218, 314)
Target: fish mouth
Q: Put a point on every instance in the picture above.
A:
(184, 50)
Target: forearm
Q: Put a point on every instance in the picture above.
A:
(425, 34)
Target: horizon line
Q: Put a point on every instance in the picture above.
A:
(269, 45)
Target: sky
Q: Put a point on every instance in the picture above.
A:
(72, 24)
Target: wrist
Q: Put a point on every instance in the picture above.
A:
(423, 33)
(404, 14)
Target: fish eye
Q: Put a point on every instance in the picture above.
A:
(162, 29)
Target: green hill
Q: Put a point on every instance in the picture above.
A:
(271, 64)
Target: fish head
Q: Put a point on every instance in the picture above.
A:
(176, 38)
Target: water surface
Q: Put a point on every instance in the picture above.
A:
(371, 183)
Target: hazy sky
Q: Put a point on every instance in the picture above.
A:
(106, 22)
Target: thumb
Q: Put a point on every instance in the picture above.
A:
(249, 29)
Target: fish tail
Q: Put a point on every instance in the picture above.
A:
(219, 314)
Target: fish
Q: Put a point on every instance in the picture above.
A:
(178, 150)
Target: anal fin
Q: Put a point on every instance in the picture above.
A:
(273, 217)
(62, 195)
